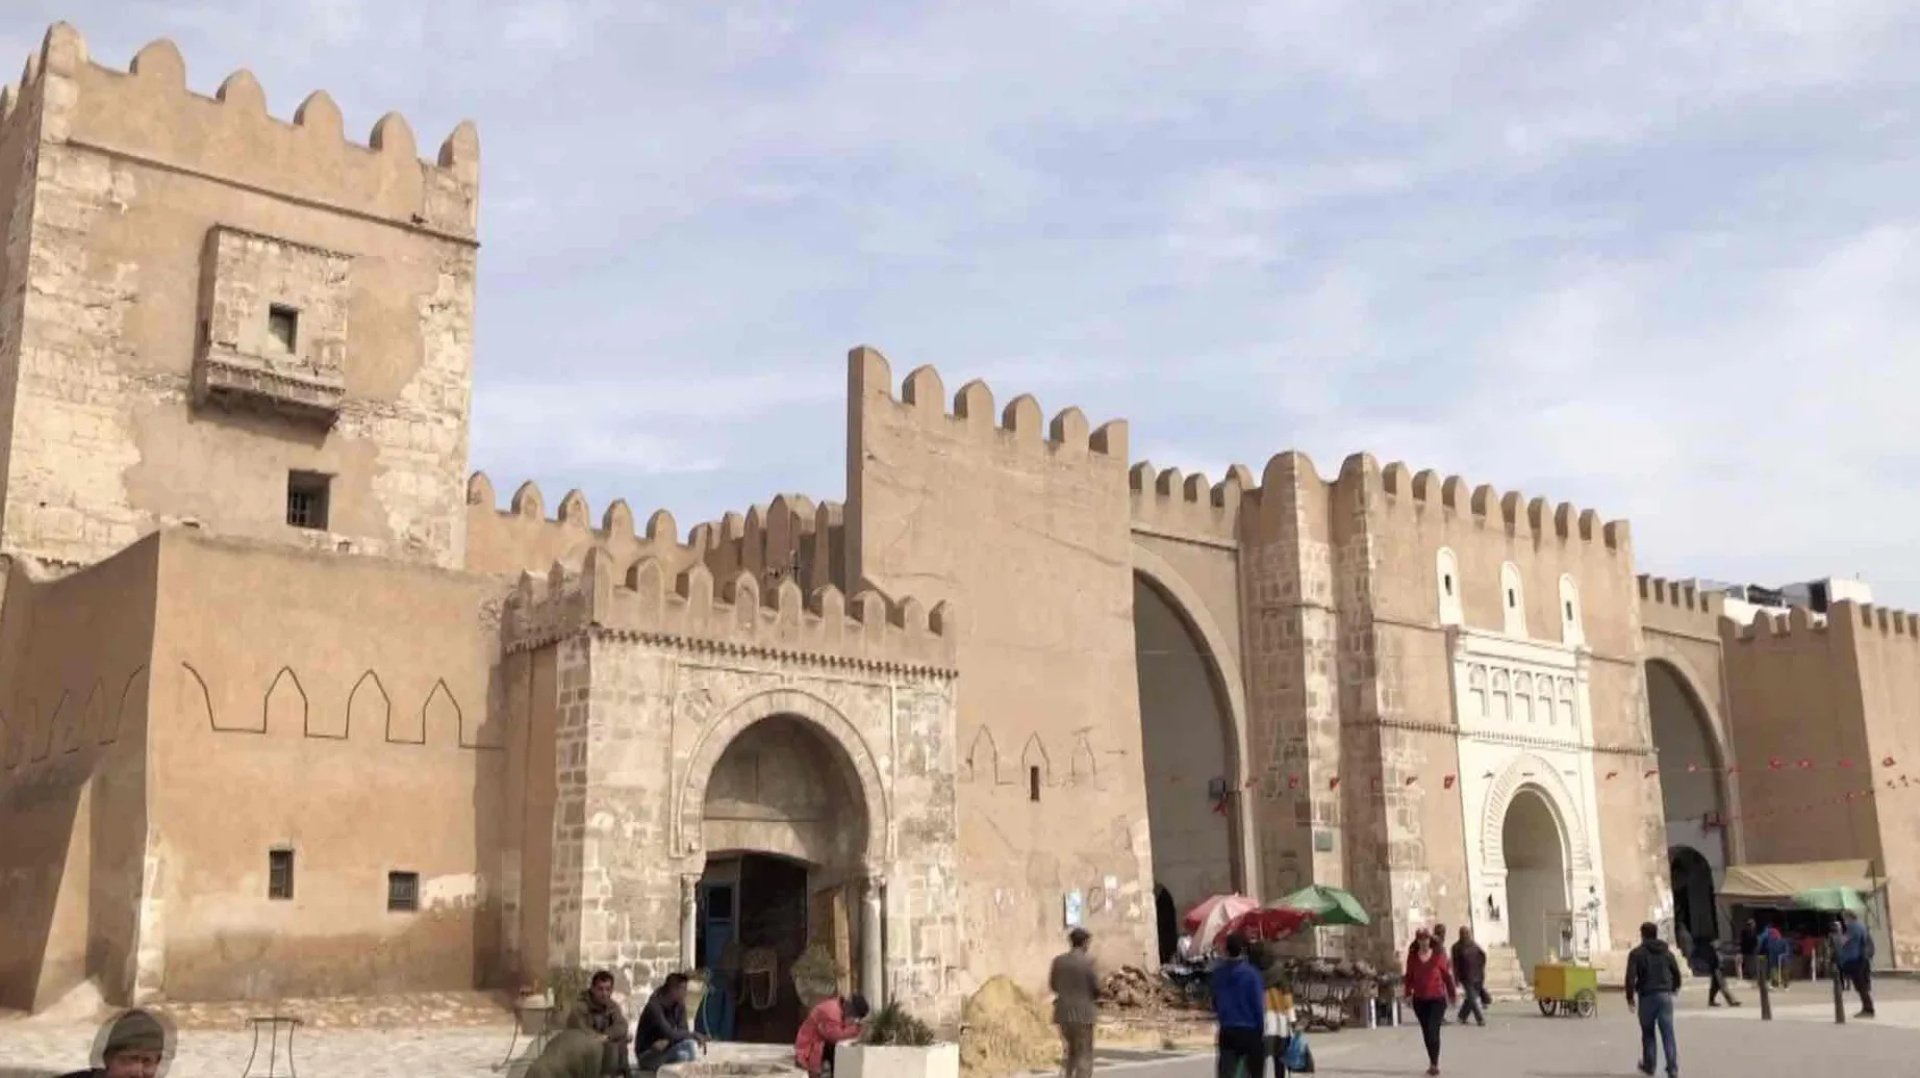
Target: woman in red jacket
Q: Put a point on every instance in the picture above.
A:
(1429, 984)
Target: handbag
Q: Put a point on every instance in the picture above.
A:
(1299, 1054)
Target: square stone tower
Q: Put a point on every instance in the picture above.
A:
(213, 317)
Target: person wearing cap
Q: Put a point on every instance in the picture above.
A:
(136, 1046)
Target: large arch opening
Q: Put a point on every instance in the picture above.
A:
(784, 826)
(1191, 753)
(1536, 864)
(1691, 785)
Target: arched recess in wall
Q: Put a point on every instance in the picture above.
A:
(1186, 673)
(1571, 631)
(1446, 583)
(1513, 601)
(1693, 764)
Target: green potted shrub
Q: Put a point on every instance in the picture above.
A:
(897, 1044)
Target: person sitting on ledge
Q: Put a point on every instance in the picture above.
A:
(835, 1020)
(136, 1045)
(572, 1053)
(595, 1012)
(663, 1034)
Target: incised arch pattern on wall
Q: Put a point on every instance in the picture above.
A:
(1529, 772)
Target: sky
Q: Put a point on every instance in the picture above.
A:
(1661, 260)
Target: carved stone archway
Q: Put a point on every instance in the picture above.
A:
(827, 721)
(1530, 770)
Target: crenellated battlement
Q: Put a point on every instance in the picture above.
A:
(1796, 623)
(773, 538)
(147, 113)
(1172, 501)
(646, 600)
(1883, 620)
(528, 527)
(1426, 490)
(1021, 423)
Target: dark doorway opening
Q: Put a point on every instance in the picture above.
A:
(752, 929)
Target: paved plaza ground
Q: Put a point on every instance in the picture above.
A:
(1517, 1043)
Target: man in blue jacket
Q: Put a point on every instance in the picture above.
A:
(1856, 960)
(1240, 1006)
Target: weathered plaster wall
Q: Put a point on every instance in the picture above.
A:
(1886, 644)
(134, 171)
(1027, 526)
(73, 790)
(19, 156)
(301, 701)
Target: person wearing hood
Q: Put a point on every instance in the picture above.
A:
(572, 1053)
(135, 1047)
(596, 1013)
(1653, 978)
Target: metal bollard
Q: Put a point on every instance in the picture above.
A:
(1839, 1004)
(1766, 1000)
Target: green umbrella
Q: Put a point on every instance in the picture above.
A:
(1329, 906)
(1830, 900)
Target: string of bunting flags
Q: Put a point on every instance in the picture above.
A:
(1296, 784)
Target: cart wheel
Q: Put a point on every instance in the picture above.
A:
(1585, 1003)
(1547, 1007)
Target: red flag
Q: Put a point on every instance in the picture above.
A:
(1776, 763)
(1806, 765)
(1449, 783)
(1220, 807)
(1888, 762)
(1610, 775)
(1411, 779)
(1846, 764)
(1293, 782)
(1333, 783)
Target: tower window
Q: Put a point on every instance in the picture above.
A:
(1448, 580)
(280, 874)
(403, 892)
(307, 499)
(1033, 784)
(1569, 611)
(283, 324)
(1512, 599)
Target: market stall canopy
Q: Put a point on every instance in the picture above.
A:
(1330, 906)
(1831, 900)
(1779, 883)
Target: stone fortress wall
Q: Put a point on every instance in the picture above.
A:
(193, 689)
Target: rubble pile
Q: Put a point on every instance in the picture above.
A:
(1131, 988)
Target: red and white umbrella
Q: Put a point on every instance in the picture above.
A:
(1205, 920)
(1263, 925)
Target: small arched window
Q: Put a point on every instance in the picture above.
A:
(1477, 692)
(1502, 698)
(1513, 601)
(1570, 631)
(1523, 697)
(1446, 580)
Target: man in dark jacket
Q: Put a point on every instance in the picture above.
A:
(1240, 1006)
(134, 1045)
(664, 1035)
(1076, 1002)
(1653, 976)
(595, 1012)
(1470, 971)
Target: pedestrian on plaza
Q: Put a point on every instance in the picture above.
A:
(1653, 978)
(572, 1053)
(663, 1034)
(595, 1012)
(1470, 970)
(837, 1019)
(1076, 1003)
(1749, 950)
(1856, 960)
(133, 1045)
(1705, 960)
(1430, 986)
(1775, 948)
(1440, 944)
(1280, 1013)
(1240, 1008)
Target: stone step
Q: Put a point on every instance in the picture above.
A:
(1504, 974)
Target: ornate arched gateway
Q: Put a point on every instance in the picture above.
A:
(776, 751)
